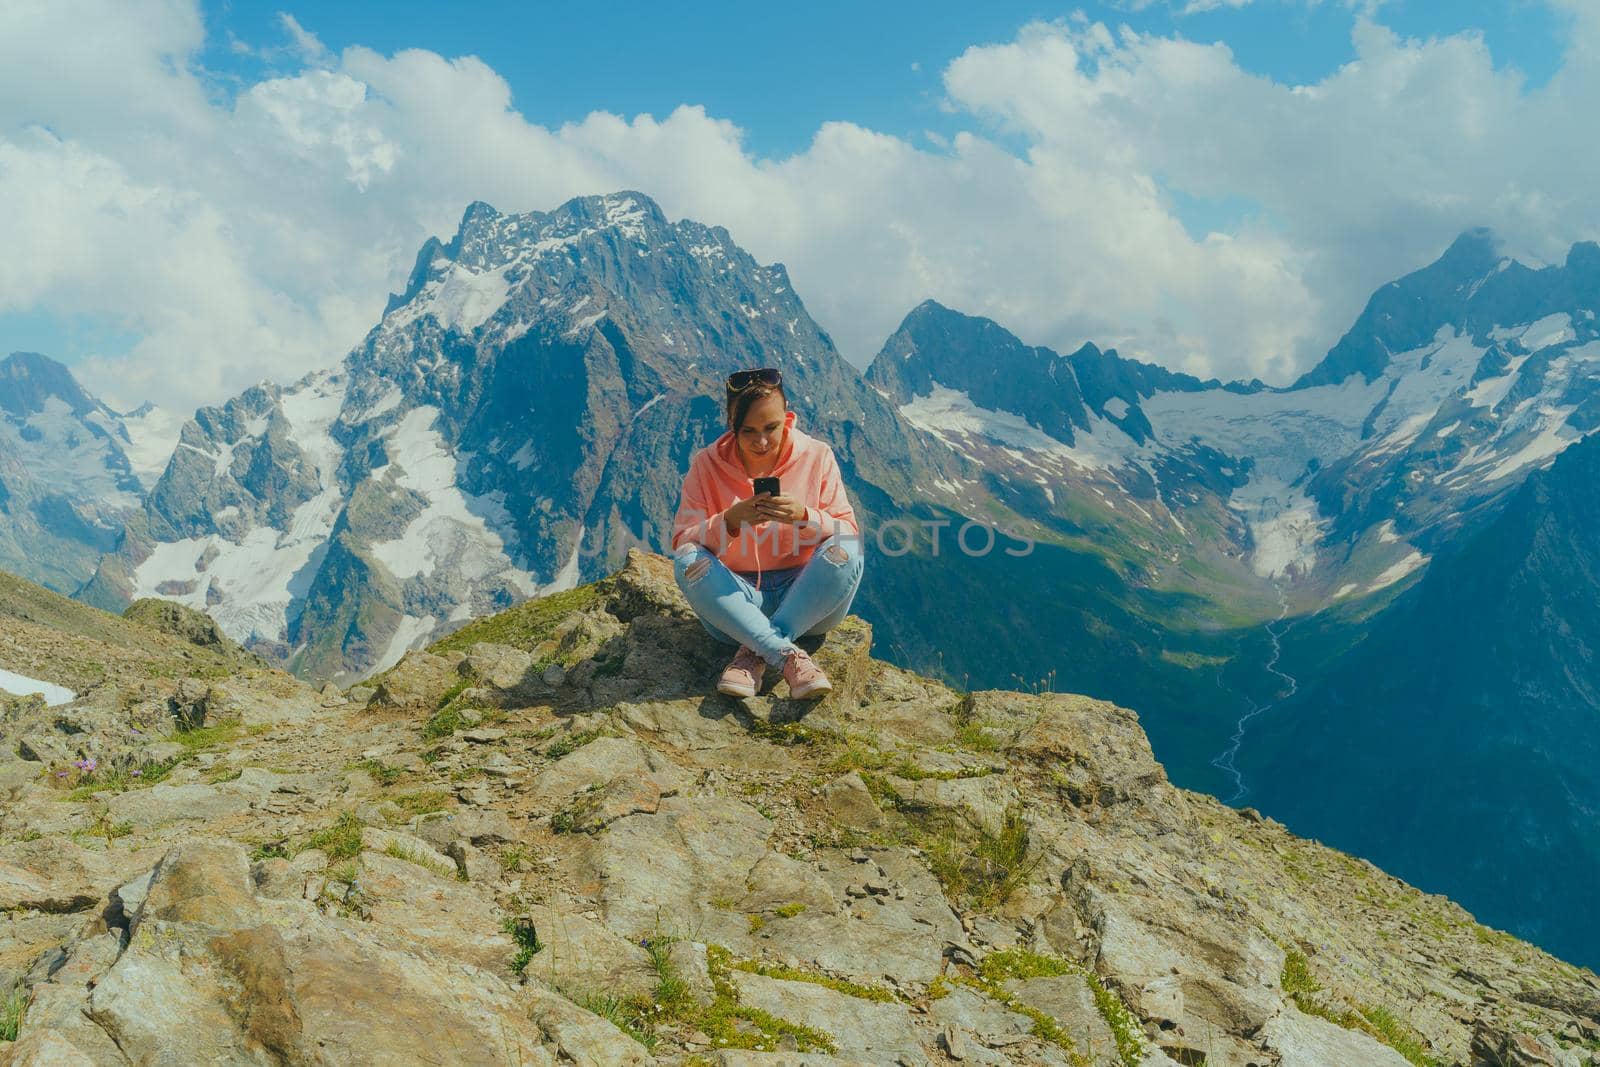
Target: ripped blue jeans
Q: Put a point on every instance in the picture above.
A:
(793, 602)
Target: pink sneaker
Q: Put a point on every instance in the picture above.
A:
(742, 677)
(805, 678)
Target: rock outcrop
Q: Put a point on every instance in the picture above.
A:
(547, 839)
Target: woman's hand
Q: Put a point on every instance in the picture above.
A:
(743, 513)
(780, 508)
(763, 507)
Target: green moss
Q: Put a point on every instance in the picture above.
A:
(1020, 963)
(1000, 967)
(858, 754)
(720, 1019)
(1397, 1034)
(1124, 1027)
(203, 737)
(795, 974)
(912, 773)
(789, 911)
(785, 733)
(443, 723)
(525, 626)
(1296, 978)
(379, 772)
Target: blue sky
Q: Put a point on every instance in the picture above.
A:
(205, 194)
(780, 71)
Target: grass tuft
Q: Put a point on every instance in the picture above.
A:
(411, 855)
(379, 772)
(12, 1011)
(567, 744)
(979, 869)
(342, 840)
(423, 801)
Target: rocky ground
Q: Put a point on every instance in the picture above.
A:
(548, 840)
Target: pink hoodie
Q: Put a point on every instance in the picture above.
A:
(806, 470)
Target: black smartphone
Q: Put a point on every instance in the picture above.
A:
(766, 485)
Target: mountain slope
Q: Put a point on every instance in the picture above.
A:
(67, 481)
(1462, 736)
(48, 637)
(552, 815)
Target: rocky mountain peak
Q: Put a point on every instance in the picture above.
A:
(1471, 288)
(29, 379)
(547, 839)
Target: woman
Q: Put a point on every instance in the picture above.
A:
(762, 569)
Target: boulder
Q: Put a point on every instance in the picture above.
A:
(212, 973)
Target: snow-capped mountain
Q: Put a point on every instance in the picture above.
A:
(1455, 383)
(522, 413)
(71, 470)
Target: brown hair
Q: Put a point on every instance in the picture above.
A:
(740, 402)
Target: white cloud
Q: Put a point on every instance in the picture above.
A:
(306, 43)
(258, 235)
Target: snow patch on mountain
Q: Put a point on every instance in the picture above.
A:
(64, 453)
(245, 586)
(1412, 561)
(460, 298)
(150, 436)
(950, 414)
(1284, 525)
(1551, 330)
(21, 685)
(409, 634)
(1553, 436)
(455, 528)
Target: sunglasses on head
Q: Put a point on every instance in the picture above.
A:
(741, 380)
